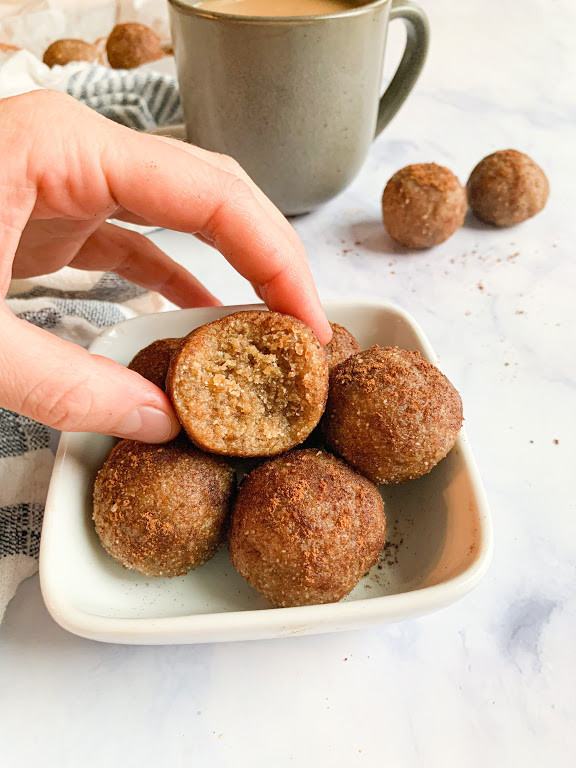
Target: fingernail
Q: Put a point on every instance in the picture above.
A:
(148, 424)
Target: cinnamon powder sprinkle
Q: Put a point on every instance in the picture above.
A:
(305, 528)
(161, 509)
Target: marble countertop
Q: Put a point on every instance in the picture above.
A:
(489, 680)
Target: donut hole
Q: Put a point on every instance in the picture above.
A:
(250, 389)
(391, 414)
(305, 528)
(162, 509)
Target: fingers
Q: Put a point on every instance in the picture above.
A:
(173, 187)
(226, 163)
(64, 386)
(78, 166)
(136, 258)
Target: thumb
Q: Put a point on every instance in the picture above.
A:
(63, 386)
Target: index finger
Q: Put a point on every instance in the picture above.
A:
(165, 185)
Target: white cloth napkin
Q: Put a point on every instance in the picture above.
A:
(144, 98)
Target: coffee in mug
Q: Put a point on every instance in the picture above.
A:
(276, 7)
(294, 97)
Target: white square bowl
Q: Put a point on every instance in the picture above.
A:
(439, 533)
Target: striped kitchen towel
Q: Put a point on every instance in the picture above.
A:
(142, 100)
(76, 306)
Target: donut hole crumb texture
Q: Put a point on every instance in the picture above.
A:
(305, 528)
(253, 383)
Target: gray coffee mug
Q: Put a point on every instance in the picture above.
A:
(296, 101)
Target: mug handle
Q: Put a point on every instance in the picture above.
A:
(417, 38)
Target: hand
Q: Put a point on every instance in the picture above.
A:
(63, 171)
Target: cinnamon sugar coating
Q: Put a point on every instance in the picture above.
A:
(391, 414)
(305, 528)
(423, 205)
(252, 383)
(153, 361)
(341, 346)
(162, 509)
(507, 188)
